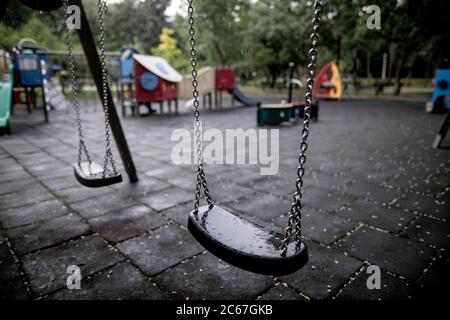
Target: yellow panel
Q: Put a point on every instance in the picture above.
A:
(336, 81)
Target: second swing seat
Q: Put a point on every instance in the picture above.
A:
(91, 175)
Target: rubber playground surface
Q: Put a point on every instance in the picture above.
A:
(376, 193)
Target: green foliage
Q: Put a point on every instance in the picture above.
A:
(169, 50)
(45, 38)
(261, 37)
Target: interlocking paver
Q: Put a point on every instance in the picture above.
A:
(426, 205)
(281, 293)
(326, 200)
(396, 254)
(430, 231)
(391, 288)
(32, 195)
(14, 290)
(167, 198)
(17, 185)
(142, 187)
(263, 206)
(160, 249)
(79, 193)
(179, 213)
(326, 271)
(351, 171)
(46, 233)
(127, 223)
(47, 269)
(206, 277)
(121, 282)
(377, 215)
(372, 191)
(20, 216)
(101, 205)
(435, 283)
(9, 267)
(321, 226)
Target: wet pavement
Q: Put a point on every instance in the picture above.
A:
(376, 193)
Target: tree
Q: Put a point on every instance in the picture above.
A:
(169, 50)
(277, 35)
(220, 26)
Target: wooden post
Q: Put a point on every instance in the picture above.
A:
(93, 60)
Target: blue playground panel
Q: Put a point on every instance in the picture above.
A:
(29, 68)
(127, 71)
(149, 81)
(442, 85)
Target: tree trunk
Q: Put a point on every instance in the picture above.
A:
(220, 53)
(339, 50)
(398, 72)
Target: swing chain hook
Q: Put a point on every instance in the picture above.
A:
(201, 178)
(75, 89)
(296, 207)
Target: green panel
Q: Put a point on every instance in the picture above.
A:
(6, 92)
(274, 117)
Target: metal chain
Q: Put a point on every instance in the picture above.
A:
(201, 178)
(102, 8)
(296, 207)
(75, 89)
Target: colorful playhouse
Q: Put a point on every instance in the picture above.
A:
(328, 83)
(146, 80)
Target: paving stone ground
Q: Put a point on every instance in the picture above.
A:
(376, 193)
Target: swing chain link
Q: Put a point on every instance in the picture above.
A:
(201, 178)
(75, 88)
(102, 9)
(296, 207)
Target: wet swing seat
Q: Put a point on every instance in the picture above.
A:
(244, 244)
(91, 175)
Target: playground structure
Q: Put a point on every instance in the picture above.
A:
(441, 103)
(328, 83)
(441, 96)
(156, 81)
(6, 90)
(31, 72)
(214, 81)
(145, 80)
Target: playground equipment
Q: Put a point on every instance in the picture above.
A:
(145, 80)
(214, 81)
(286, 111)
(441, 95)
(95, 66)
(328, 83)
(87, 172)
(276, 114)
(32, 71)
(6, 91)
(156, 81)
(441, 103)
(232, 238)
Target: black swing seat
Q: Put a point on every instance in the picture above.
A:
(244, 244)
(91, 175)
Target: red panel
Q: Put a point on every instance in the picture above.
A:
(225, 79)
(323, 77)
(165, 91)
